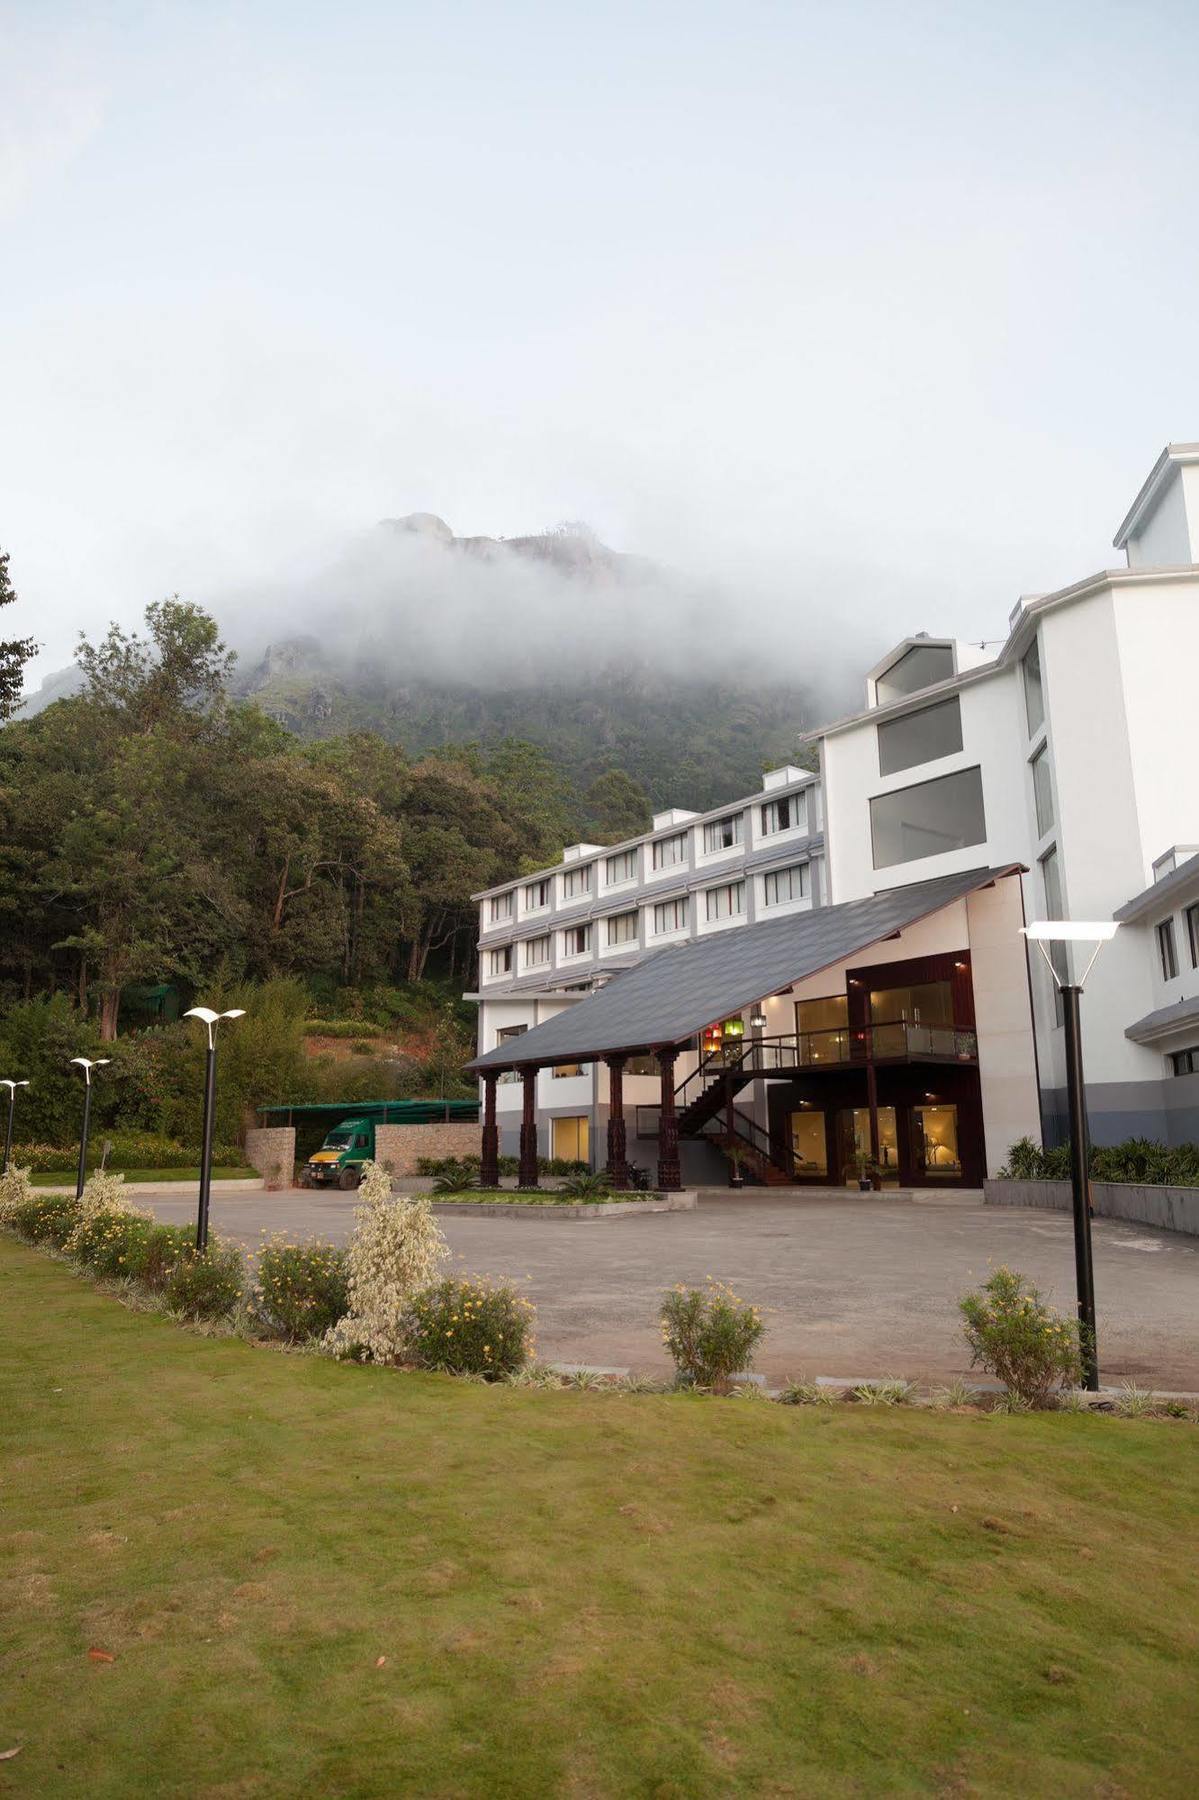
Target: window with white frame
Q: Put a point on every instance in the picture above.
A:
(725, 902)
(1192, 918)
(499, 962)
(722, 834)
(781, 885)
(788, 813)
(622, 929)
(576, 940)
(929, 819)
(576, 882)
(1042, 791)
(537, 952)
(537, 895)
(507, 1032)
(620, 867)
(669, 852)
(670, 915)
(1166, 950)
(499, 909)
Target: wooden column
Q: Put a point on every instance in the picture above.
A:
(670, 1174)
(527, 1175)
(618, 1159)
(489, 1167)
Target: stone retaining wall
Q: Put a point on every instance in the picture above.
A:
(271, 1150)
(1168, 1208)
(400, 1147)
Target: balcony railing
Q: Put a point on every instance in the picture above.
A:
(844, 1046)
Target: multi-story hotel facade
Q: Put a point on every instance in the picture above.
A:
(1065, 753)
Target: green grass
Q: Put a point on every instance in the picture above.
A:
(578, 1594)
(526, 1197)
(66, 1177)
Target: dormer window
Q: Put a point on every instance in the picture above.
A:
(920, 667)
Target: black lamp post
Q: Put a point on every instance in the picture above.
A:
(1098, 932)
(12, 1087)
(210, 1021)
(87, 1065)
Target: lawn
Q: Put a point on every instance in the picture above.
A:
(345, 1581)
(66, 1177)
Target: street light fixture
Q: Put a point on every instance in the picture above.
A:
(87, 1064)
(12, 1087)
(210, 1020)
(1076, 931)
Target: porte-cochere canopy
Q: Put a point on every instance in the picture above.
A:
(675, 993)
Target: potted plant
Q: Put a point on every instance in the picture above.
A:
(736, 1158)
(865, 1170)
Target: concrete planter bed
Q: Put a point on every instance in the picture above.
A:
(1168, 1208)
(511, 1204)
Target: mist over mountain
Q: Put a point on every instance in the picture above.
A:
(606, 659)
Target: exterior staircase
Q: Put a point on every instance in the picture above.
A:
(704, 1099)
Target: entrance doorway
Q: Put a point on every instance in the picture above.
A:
(853, 1143)
(571, 1139)
(809, 1145)
(936, 1154)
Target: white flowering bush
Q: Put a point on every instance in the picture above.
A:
(101, 1225)
(394, 1254)
(15, 1189)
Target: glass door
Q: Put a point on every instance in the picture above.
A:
(809, 1145)
(935, 1151)
(853, 1143)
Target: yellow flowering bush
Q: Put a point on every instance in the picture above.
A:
(471, 1327)
(302, 1289)
(395, 1252)
(42, 1218)
(101, 1222)
(710, 1333)
(1016, 1337)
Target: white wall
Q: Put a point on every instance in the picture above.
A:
(992, 730)
(1167, 539)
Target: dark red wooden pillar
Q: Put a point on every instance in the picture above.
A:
(489, 1166)
(670, 1174)
(618, 1156)
(527, 1175)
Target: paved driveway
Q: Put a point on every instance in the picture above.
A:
(850, 1286)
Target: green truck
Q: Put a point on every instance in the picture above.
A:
(349, 1128)
(338, 1162)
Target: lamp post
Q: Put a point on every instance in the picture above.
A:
(1096, 932)
(12, 1087)
(87, 1064)
(210, 1021)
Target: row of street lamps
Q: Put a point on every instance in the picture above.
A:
(210, 1020)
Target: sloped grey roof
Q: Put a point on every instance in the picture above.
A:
(674, 993)
(1163, 1021)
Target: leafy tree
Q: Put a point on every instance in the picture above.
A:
(617, 807)
(182, 668)
(14, 652)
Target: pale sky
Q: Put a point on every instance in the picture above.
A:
(886, 309)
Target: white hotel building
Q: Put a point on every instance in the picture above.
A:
(1070, 754)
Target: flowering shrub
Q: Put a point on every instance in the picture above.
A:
(99, 1233)
(710, 1333)
(394, 1253)
(130, 1150)
(15, 1190)
(471, 1327)
(44, 1218)
(1016, 1337)
(206, 1284)
(112, 1243)
(302, 1289)
(158, 1253)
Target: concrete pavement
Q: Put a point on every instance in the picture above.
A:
(856, 1285)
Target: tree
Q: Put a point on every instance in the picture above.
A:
(182, 669)
(617, 807)
(14, 652)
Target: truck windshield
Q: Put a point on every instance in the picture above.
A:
(337, 1138)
